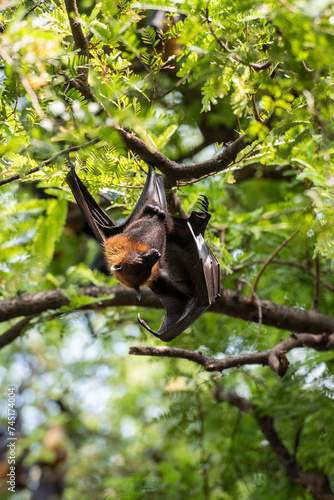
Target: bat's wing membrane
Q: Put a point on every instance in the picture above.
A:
(99, 222)
(181, 310)
(153, 190)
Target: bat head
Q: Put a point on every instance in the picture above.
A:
(137, 268)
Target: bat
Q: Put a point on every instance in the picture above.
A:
(155, 249)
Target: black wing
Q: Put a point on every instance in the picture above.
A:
(185, 302)
(99, 222)
(185, 296)
(97, 219)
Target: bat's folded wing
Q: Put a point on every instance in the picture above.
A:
(186, 291)
(99, 222)
(181, 310)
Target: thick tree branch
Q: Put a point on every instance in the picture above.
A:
(177, 171)
(172, 170)
(317, 484)
(15, 331)
(275, 357)
(230, 303)
(280, 316)
(81, 43)
(54, 299)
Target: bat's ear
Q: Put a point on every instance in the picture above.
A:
(116, 268)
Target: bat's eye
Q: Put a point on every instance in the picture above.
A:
(116, 268)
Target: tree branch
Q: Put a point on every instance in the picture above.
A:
(81, 43)
(172, 170)
(15, 331)
(230, 303)
(36, 303)
(275, 357)
(280, 316)
(256, 113)
(264, 171)
(165, 92)
(177, 171)
(317, 484)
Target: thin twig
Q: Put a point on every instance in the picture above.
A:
(25, 83)
(255, 66)
(33, 96)
(291, 263)
(137, 162)
(314, 482)
(258, 302)
(315, 302)
(50, 160)
(307, 68)
(38, 4)
(247, 154)
(256, 113)
(193, 181)
(289, 7)
(163, 93)
(270, 258)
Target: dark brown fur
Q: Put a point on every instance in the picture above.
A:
(131, 252)
(152, 248)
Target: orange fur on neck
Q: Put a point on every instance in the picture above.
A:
(117, 247)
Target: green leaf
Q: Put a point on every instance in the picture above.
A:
(49, 229)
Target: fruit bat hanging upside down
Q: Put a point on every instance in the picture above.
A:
(152, 248)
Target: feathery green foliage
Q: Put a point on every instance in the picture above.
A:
(188, 78)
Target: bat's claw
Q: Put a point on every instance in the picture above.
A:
(203, 204)
(154, 210)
